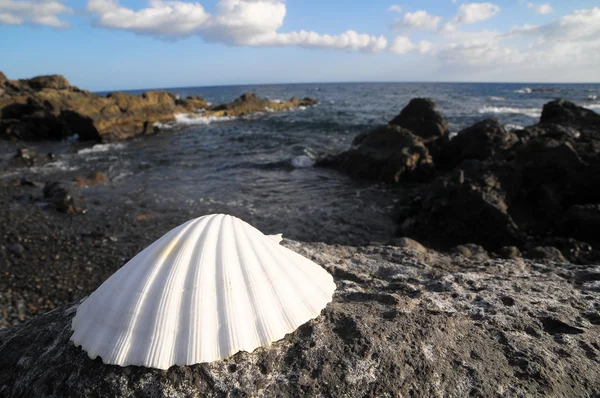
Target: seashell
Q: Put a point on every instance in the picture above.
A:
(204, 291)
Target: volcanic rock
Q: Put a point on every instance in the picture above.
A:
(402, 323)
(421, 117)
(387, 153)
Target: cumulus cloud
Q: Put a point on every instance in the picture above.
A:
(540, 9)
(470, 13)
(395, 8)
(235, 22)
(37, 12)
(570, 43)
(403, 45)
(418, 20)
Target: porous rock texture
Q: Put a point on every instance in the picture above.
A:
(402, 323)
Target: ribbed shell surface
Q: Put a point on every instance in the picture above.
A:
(204, 291)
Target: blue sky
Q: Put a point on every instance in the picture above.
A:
(130, 44)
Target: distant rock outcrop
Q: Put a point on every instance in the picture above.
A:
(48, 107)
(396, 152)
(401, 323)
(421, 117)
(387, 153)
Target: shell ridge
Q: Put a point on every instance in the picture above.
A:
(292, 282)
(250, 287)
(126, 355)
(206, 298)
(170, 297)
(223, 310)
(283, 294)
(266, 320)
(185, 324)
(318, 281)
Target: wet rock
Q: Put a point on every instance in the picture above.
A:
(547, 253)
(387, 153)
(481, 141)
(25, 156)
(16, 249)
(421, 117)
(94, 179)
(410, 324)
(61, 198)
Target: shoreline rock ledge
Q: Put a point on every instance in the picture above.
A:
(50, 108)
(402, 323)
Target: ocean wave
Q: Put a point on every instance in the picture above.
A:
(497, 99)
(188, 119)
(61, 165)
(525, 90)
(100, 148)
(510, 126)
(531, 112)
(302, 162)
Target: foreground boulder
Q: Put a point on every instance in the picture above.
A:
(48, 107)
(387, 153)
(402, 323)
(456, 211)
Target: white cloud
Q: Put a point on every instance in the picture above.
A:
(471, 13)
(418, 20)
(567, 48)
(540, 9)
(236, 22)
(37, 12)
(403, 45)
(395, 8)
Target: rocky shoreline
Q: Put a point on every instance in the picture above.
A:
(490, 288)
(531, 192)
(49, 108)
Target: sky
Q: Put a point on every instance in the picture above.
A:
(135, 44)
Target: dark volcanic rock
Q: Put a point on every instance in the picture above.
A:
(564, 112)
(421, 117)
(61, 198)
(401, 323)
(481, 141)
(455, 212)
(387, 153)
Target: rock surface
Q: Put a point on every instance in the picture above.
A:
(402, 323)
(421, 117)
(48, 107)
(387, 153)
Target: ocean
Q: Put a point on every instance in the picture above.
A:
(260, 168)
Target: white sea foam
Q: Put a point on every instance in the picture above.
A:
(525, 90)
(531, 112)
(302, 162)
(510, 126)
(187, 119)
(497, 99)
(100, 148)
(58, 165)
(592, 106)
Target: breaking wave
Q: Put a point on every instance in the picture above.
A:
(531, 112)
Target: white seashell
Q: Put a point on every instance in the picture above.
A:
(204, 291)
